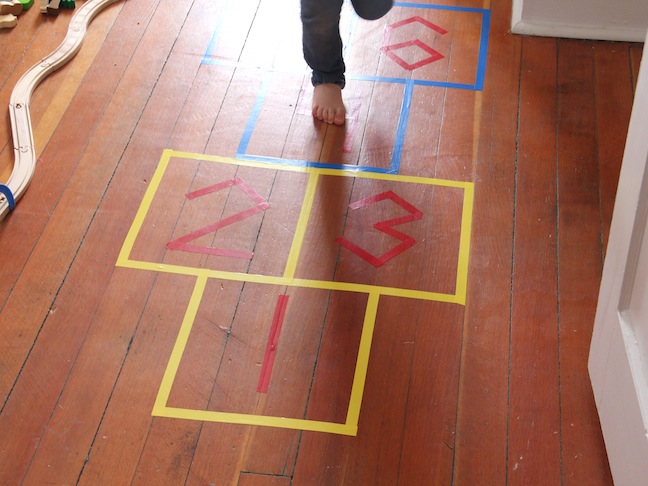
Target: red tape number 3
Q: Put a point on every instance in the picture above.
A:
(386, 227)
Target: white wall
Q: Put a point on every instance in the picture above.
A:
(623, 20)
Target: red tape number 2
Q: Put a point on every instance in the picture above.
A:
(183, 244)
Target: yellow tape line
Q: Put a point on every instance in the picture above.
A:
(464, 246)
(302, 224)
(180, 345)
(303, 283)
(328, 172)
(362, 364)
(258, 420)
(129, 242)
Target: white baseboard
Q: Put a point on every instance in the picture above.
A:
(578, 31)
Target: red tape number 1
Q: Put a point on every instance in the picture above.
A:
(273, 342)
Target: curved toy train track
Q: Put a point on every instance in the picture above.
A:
(21, 128)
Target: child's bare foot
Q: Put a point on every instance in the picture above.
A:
(328, 105)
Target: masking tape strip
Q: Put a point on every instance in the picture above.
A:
(302, 224)
(168, 153)
(257, 420)
(464, 245)
(147, 200)
(180, 344)
(273, 342)
(293, 282)
(182, 243)
(362, 364)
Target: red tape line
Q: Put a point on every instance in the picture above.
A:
(387, 227)
(183, 244)
(273, 342)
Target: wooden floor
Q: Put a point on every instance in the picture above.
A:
(138, 347)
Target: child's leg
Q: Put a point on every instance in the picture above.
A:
(372, 9)
(321, 40)
(323, 53)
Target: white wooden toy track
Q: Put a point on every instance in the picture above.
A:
(21, 128)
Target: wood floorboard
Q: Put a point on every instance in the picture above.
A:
(251, 479)
(613, 105)
(54, 245)
(636, 51)
(233, 115)
(135, 367)
(301, 337)
(534, 408)
(579, 262)
(429, 435)
(65, 306)
(481, 446)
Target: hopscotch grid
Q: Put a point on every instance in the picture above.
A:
(314, 169)
(409, 84)
(350, 427)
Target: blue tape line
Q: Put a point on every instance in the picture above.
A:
(11, 201)
(216, 35)
(317, 165)
(212, 44)
(364, 77)
(483, 51)
(254, 115)
(439, 7)
(418, 82)
(399, 141)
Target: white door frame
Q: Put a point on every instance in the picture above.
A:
(618, 377)
(622, 20)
